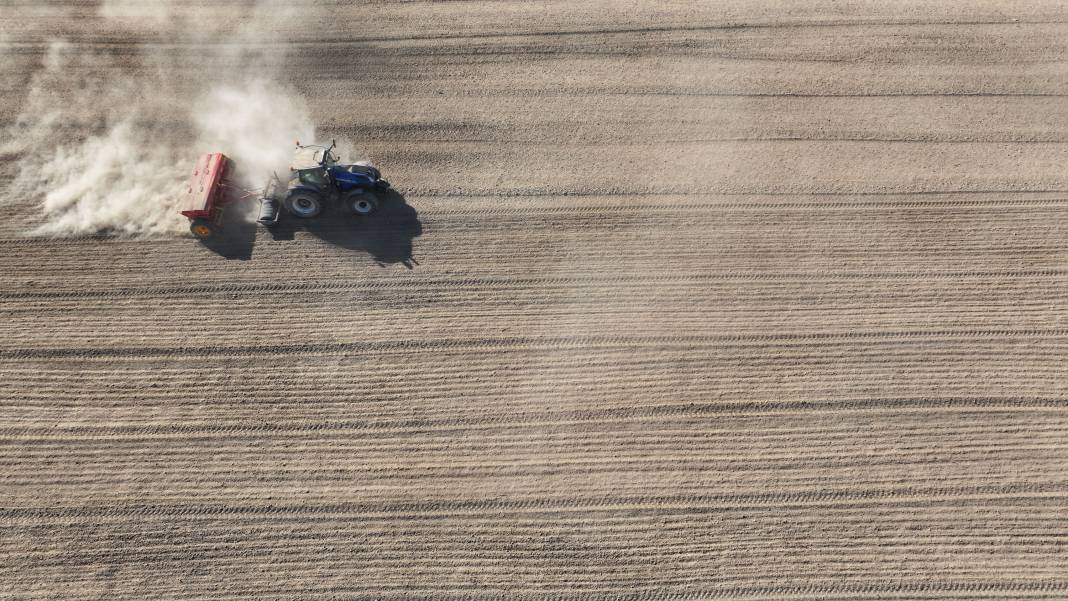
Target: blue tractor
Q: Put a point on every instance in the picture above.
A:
(315, 179)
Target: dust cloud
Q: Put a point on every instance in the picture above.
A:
(127, 175)
(255, 123)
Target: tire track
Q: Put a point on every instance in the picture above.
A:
(545, 342)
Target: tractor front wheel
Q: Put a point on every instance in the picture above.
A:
(202, 229)
(304, 205)
(362, 203)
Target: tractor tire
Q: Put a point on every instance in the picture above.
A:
(361, 202)
(304, 204)
(202, 229)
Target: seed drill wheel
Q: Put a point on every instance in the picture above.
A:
(202, 229)
(304, 204)
(362, 203)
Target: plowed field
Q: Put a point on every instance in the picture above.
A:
(733, 300)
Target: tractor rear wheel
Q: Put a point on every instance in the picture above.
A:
(362, 203)
(202, 229)
(304, 204)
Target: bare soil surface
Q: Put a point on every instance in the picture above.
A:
(675, 300)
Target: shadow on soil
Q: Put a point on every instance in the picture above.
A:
(386, 235)
(238, 233)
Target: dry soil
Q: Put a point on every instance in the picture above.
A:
(680, 300)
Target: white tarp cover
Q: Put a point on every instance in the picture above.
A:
(306, 157)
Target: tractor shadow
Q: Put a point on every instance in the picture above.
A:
(238, 233)
(386, 235)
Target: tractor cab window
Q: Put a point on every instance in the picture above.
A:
(314, 177)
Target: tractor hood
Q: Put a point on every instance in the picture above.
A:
(347, 177)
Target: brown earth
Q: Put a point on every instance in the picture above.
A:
(678, 300)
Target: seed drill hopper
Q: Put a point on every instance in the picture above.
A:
(210, 190)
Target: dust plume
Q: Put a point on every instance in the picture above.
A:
(231, 119)
(113, 182)
(110, 149)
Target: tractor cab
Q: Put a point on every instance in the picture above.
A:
(310, 168)
(316, 179)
